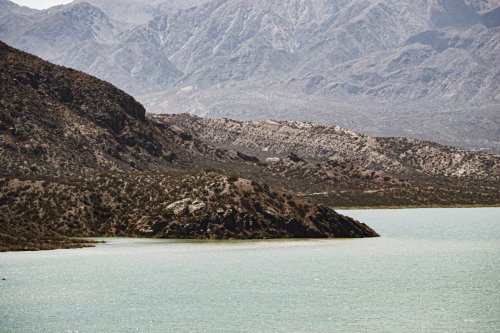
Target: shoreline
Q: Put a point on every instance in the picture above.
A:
(413, 207)
(20, 244)
(9, 243)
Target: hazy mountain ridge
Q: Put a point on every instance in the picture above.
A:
(8, 7)
(135, 12)
(437, 58)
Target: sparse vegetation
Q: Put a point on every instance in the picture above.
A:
(173, 205)
(80, 158)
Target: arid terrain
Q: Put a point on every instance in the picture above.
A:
(80, 158)
(340, 167)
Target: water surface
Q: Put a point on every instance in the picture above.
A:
(433, 270)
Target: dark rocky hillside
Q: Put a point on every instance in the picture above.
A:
(57, 120)
(80, 158)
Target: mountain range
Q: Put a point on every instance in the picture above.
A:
(80, 157)
(425, 69)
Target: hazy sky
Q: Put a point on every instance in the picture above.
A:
(40, 4)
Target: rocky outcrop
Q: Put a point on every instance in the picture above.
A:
(332, 170)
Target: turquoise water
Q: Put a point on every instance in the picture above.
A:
(434, 270)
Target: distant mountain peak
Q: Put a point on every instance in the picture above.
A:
(84, 9)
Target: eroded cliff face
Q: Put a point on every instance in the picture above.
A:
(80, 158)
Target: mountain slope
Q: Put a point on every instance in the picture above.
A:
(8, 7)
(379, 67)
(57, 118)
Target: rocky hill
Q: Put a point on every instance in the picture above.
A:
(80, 158)
(424, 69)
(340, 167)
(195, 205)
(57, 120)
(404, 157)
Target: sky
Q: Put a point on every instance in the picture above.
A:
(40, 4)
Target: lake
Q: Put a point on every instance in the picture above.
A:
(433, 270)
